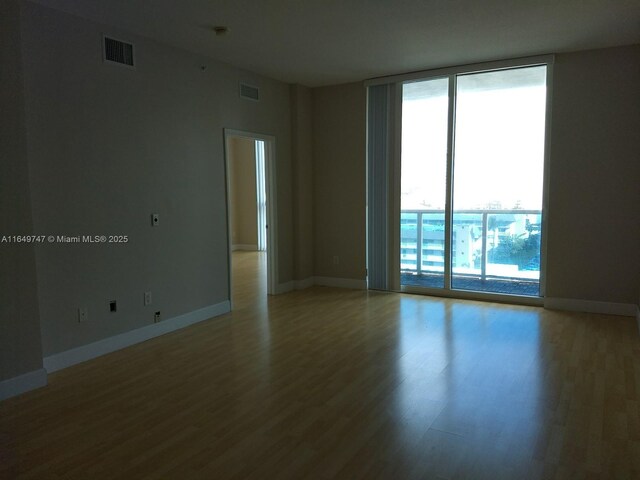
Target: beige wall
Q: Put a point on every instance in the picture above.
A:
(244, 203)
(20, 346)
(108, 146)
(339, 132)
(594, 195)
(302, 162)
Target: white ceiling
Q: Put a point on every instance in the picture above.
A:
(324, 42)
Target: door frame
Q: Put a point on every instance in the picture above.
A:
(272, 217)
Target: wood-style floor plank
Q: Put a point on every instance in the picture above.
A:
(329, 383)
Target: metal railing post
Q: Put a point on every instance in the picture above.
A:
(485, 224)
(419, 242)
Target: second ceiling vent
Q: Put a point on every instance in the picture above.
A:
(117, 51)
(249, 92)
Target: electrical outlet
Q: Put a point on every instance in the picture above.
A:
(83, 315)
(156, 317)
(155, 219)
(113, 306)
(147, 298)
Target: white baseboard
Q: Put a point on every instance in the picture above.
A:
(352, 283)
(302, 284)
(322, 281)
(284, 287)
(83, 353)
(590, 306)
(251, 248)
(23, 383)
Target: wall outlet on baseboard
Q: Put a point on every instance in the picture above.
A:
(156, 317)
(83, 315)
(147, 298)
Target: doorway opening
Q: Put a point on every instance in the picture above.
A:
(250, 172)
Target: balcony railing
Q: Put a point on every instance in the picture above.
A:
(485, 244)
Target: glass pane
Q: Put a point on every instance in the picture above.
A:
(513, 250)
(425, 111)
(408, 241)
(498, 170)
(466, 244)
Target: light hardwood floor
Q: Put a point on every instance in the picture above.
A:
(328, 383)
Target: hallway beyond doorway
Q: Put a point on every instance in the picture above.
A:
(249, 279)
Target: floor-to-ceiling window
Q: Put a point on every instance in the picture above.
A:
(471, 190)
(261, 195)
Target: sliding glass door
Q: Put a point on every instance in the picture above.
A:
(471, 214)
(425, 114)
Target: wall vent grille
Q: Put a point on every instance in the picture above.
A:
(249, 92)
(117, 51)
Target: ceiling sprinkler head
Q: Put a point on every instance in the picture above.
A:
(221, 30)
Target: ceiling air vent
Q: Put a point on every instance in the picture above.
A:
(118, 52)
(249, 92)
